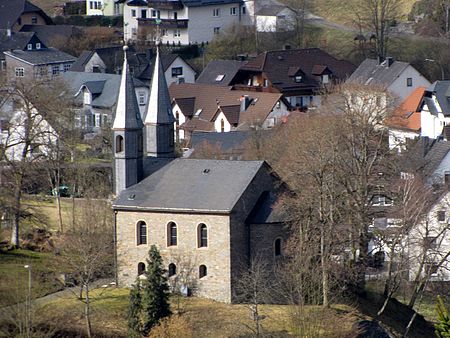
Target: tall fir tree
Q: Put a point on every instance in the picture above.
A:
(155, 292)
(135, 310)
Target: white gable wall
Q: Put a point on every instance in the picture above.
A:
(181, 119)
(218, 123)
(188, 72)
(399, 86)
(95, 61)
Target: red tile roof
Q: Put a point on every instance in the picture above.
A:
(407, 115)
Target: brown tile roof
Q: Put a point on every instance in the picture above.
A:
(186, 105)
(209, 97)
(407, 115)
(231, 113)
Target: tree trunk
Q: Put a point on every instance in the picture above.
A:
(87, 312)
(324, 268)
(17, 203)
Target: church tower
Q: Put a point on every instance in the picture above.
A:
(127, 134)
(159, 120)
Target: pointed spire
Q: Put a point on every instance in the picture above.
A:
(127, 110)
(159, 109)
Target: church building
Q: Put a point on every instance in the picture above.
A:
(208, 218)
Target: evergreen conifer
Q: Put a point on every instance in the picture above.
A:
(135, 310)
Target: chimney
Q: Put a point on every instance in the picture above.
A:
(389, 61)
(245, 102)
(8, 32)
(380, 60)
(287, 47)
(241, 57)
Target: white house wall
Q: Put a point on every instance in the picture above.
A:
(181, 119)
(399, 87)
(95, 61)
(265, 23)
(188, 72)
(217, 124)
(276, 115)
(398, 138)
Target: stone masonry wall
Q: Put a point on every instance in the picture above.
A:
(216, 257)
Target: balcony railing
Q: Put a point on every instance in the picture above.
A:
(164, 23)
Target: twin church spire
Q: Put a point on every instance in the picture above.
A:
(135, 139)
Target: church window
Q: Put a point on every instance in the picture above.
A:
(141, 268)
(202, 271)
(202, 234)
(277, 247)
(141, 233)
(172, 269)
(119, 143)
(171, 234)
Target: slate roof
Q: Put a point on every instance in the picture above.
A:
(266, 211)
(434, 157)
(272, 10)
(109, 93)
(147, 72)
(371, 72)
(200, 3)
(441, 90)
(276, 66)
(215, 68)
(49, 33)
(209, 97)
(82, 60)
(186, 105)
(41, 56)
(226, 141)
(17, 40)
(11, 10)
(231, 112)
(190, 185)
(407, 115)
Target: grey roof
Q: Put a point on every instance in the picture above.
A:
(110, 91)
(434, 157)
(272, 10)
(216, 68)
(41, 56)
(11, 10)
(441, 90)
(267, 210)
(226, 141)
(127, 114)
(200, 3)
(189, 185)
(17, 40)
(371, 72)
(166, 61)
(95, 87)
(49, 33)
(82, 60)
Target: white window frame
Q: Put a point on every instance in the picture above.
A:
(141, 98)
(29, 46)
(233, 11)
(38, 45)
(67, 67)
(56, 70)
(216, 30)
(20, 71)
(216, 12)
(133, 13)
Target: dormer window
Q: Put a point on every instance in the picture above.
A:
(38, 45)
(29, 46)
(298, 78)
(325, 78)
(87, 97)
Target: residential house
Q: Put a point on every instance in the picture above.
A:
(300, 75)
(198, 107)
(104, 7)
(405, 122)
(276, 18)
(183, 21)
(16, 13)
(54, 35)
(96, 96)
(435, 113)
(39, 63)
(10, 40)
(107, 60)
(232, 217)
(398, 78)
(219, 72)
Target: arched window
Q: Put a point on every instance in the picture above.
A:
(202, 234)
(222, 125)
(141, 268)
(202, 271)
(141, 233)
(119, 143)
(171, 234)
(277, 247)
(172, 269)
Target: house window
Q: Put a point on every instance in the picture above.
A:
(91, 4)
(164, 32)
(141, 233)
(67, 67)
(216, 30)
(447, 178)
(20, 72)
(233, 11)
(141, 99)
(175, 15)
(409, 82)
(141, 268)
(177, 71)
(244, 10)
(277, 247)
(383, 201)
(87, 97)
(216, 12)
(202, 234)
(441, 216)
(171, 234)
(176, 33)
(34, 20)
(153, 13)
(298, 78)
(172, 270)
(55, 70)
(38, 45)
(202, 271)
(29, 46)
(97, 120)
(2, 65)
(222, 125)
(266, 83)
(144, 14)
(119, 143)
(325, 79)
(133, 13)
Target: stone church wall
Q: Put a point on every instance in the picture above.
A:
(216, 257)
